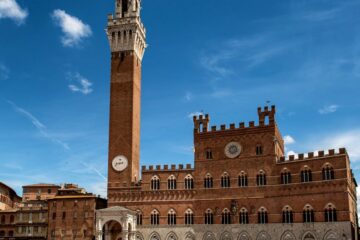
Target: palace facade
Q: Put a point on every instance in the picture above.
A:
(240, 186)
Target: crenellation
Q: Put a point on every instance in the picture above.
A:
(313, 155)
(321, 153)
(332, 152)
(232, 126)
(291, 157)
(173, 167)
(251, 124)
(213, 128)
(300, 156)
(166, 167)
(223, 127)
(181, 166)
(188, 166)
(310, 154)
(242, 125)
(158, 167)
(151, 167)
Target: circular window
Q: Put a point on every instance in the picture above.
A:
(233, 149)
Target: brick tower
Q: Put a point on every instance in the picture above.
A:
(126, 35)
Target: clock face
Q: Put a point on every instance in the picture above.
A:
(119, 163)
(233, 149)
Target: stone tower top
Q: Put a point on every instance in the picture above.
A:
(125, 30)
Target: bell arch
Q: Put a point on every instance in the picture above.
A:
(189, 236)
(263, 236)
(154, 236)
(287, 235)
(331, 235)
(226, 236)
(244, 236)
(309, 236)
(171, 236)
(209, 236)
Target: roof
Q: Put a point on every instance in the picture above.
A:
(12, 191)
(42, 185)
(72, 197)
(116, 209)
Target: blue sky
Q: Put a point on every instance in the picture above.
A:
(223, 59)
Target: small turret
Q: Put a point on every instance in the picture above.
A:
(127, 8)
(201, 123)
(266, 113)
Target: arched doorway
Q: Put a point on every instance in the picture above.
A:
(112, 231)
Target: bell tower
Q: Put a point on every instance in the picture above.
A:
(126, 34)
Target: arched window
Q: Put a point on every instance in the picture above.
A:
(139, 217)
(262, 216)
(12, 218)
(226, 216)
(225, 180)
(209, 154)
(11, 233)
(3, 219)
(259, 149)
(189, 182)
(243, 216)
(328, 172)
(330, 213)
(209, 217)
(287, 215)
(306, 175)
(2, 233)
(308, 214)
(189, 217)
(242, 180)
(172, 182)
(208, 181)
(155, 183)
(285, 177)
(171, 217)
(261, 178)
(154, 217)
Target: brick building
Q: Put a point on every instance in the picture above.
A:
(72, 213)
(241, 186)
(9, 201)
(40, 191)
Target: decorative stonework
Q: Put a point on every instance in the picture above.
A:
(125, 31)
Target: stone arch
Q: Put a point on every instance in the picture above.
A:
(139, 236)
(309, 236)
(154, 236)
(112, 227)
(171, 236)
(226, 236)
(263, 236)
(331, 235)
(288, 235)
(209, 236)
(244, 236)
(189, 236)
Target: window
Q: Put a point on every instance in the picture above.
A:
(287, 215)
(154, 217)
(209, 217)
(209, 154)
(330, 213)
(172, 182)
(155, 183)
(63, 215)
(3, 219)
(285, 177)
(12, 219)
(261, 178)
(262, 216)
(53, 233)
(308, 214)
(36, 229)
(306, 175)
(208, 181)
(75, 203)
(243, 216)
(328, 172)
(189, 217)
(226, 217)
(49, 191)
(242, 180)
(75, 215)
(259, 150)
(172, 217)
(189, 182)
(11, 233)
(54, 216)
(225, 180)
(139, 218)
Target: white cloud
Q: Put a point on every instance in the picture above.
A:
(188, 96)
(11, 9)
(82, 85)
(73, 28)
(191, 115)
(38, 125)
(4, 71)
(289, 140)
(329, 109)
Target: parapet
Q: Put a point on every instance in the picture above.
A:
(313, 155)
(201, 122)
(172, 167)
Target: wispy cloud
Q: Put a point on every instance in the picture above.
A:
(11, 9)
(83, 85)
(73, 28)
(4, 72)
(188, 96)
(38, 125)
(323, 15)
(289, 140)
(329, 109)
